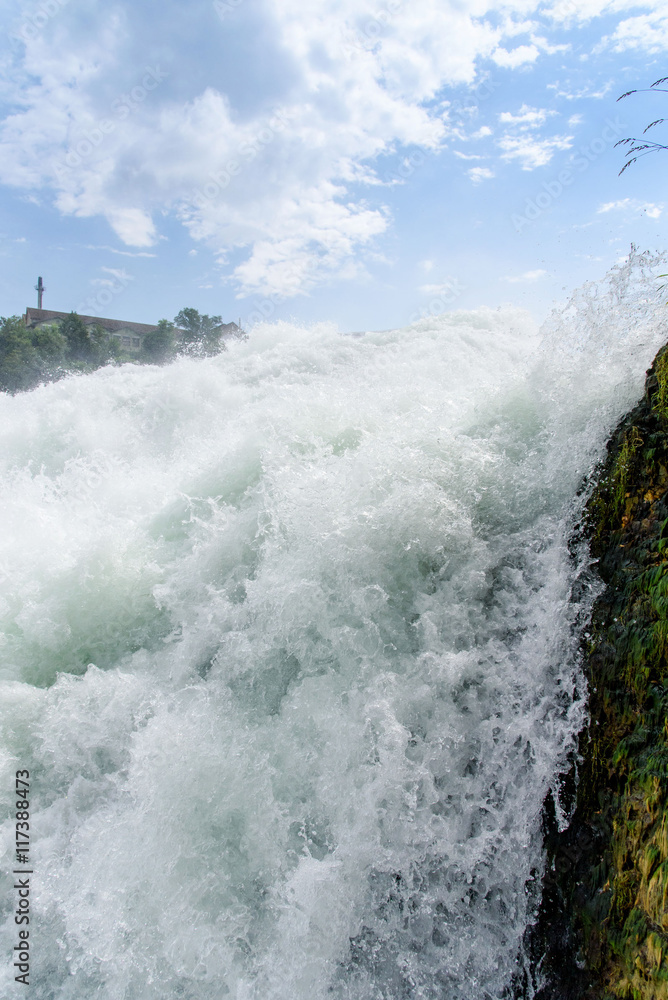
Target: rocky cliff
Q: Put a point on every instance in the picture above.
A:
(604, 923)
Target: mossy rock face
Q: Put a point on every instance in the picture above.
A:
(603, 931)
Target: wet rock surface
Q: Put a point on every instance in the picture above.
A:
(603, 926)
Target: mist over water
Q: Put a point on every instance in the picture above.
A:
(290, 650)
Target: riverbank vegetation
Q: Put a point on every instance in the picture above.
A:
(31, 356)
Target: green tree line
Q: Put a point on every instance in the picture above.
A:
(29, 357)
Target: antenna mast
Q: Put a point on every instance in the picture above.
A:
(40, 289)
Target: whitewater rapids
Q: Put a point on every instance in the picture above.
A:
(290, 648)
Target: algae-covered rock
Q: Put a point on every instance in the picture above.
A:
(604, 924)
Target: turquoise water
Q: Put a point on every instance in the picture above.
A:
(289, 649)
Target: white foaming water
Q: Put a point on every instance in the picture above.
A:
(288, 646)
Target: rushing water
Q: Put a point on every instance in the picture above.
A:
(289, 649)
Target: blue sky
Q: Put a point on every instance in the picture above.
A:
(357, 161)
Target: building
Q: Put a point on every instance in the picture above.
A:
(231, 330)
(129, 335)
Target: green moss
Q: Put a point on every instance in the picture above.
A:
(631, 442)
(661, 373)
(618, 891)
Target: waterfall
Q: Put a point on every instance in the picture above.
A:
(289, 646)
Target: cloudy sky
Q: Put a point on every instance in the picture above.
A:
(357, 161)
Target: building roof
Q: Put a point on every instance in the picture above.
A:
(35, 316)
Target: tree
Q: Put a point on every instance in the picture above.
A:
(19, 361)
(103, 347)
(641, 147)
(200, 334)
(158, 345)
(50, 344)
(88, 348)
(79, 345)
(30, 356)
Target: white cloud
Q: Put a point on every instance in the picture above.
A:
(527, 276)
(286, 198)
(122, 253)
(526, 118)
(478, 174)
(531, 151)
(647, 32)
(610, 206)
(634, 205)
(519, 56)
(520, 141)
(450, 287)
(272, 170)
(117, 274)
(583, 93)
(586, 10)
(133, 226)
